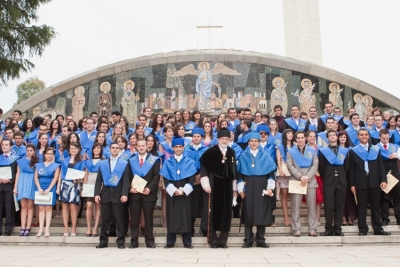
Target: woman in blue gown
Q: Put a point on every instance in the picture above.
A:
(24, 188)
(70, 190)
(92, 168)
(46, 176)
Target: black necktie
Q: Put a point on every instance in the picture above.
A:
(334, 149)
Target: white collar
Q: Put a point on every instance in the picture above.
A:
(178, 158)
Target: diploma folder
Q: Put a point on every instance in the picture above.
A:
(391, 182)
(139, 183)
(43, 199)
(296, 188)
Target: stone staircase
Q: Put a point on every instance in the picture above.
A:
(279, 235)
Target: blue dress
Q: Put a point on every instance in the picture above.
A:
(46, 176)
(26, 183)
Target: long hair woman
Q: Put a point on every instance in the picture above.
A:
(93, 168)
(282, 180)
(46, 176)
(70, 190)
(24, 188)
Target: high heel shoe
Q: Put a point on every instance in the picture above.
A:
(46, 234)
(27, 232)
(39, 234)
(22, 232)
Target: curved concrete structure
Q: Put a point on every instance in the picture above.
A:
(121, 69)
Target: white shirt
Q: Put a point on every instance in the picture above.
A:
(314, 121)
(197, 146)
(113, 162)
(223, 150)
(263, 144)
(178, 158)
(254, 152)
(144, 158)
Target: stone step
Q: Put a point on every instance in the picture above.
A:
(278, 230)
(233, 241)
(157, 221)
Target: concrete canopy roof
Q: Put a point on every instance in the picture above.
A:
(215, 55)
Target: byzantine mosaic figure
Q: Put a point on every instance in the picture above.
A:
(360, 107)
(104, 103)
(306, 97)
(278, 95)
(335, 96)
(129, 102)
(368, 101)
(78, 102)
(204, 80)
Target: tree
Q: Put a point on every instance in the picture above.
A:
(28, 88)
(19, 39)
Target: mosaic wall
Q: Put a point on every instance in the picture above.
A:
(211, 87)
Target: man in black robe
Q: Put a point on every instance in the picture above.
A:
(179, 175)
(218, 167)
(256, 182)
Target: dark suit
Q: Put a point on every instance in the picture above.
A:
(7, 200)
(367, 189)
(238, 131)
(335, 186)
(110, 202)
(392, 167)
(147, 202)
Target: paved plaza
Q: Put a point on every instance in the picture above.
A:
(276, 256)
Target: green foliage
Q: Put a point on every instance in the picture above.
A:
(19, 39)
(28, 88)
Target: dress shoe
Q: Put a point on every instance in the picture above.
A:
(133, 246)
(381, 232)
(247, 245)
(326, 233)
(338, 233)
(169, 246)
(7, 234)
(222, 245)
(150, 245)
(213, 246)
(297, 234)
(112, 234)
(187, 246)
(262, 245)
(121, 246)
(102, 245)
(362, 233)
(385, 222)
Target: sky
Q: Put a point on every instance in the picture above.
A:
(359, 38)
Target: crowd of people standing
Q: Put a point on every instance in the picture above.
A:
(190, 165)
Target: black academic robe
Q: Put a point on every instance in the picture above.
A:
(179, 208)
(257, 209)
(221, 176)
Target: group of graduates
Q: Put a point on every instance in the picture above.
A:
(239, 164)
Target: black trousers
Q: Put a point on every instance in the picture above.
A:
(7, 205)
(222, 239)
(148, 210)
(385, 203)
(118, 211)
(334, 200)
(186, 238)
(373, 196)
(112, 227)
(249, 235)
